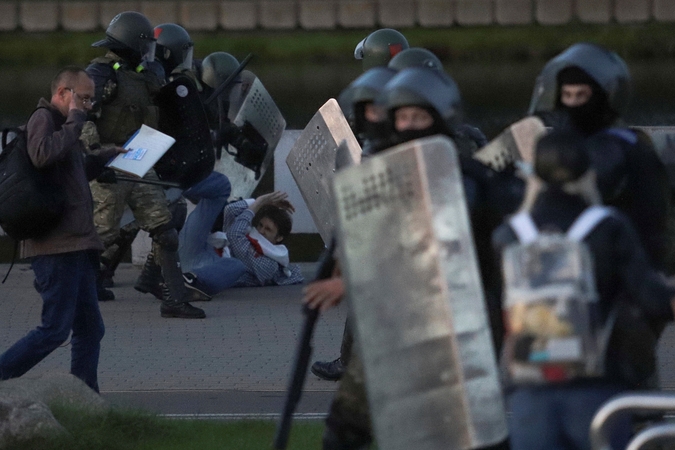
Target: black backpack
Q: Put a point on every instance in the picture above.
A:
(31, 202)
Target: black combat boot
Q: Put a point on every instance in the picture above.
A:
(329, 370)
(150, 280)
(179, 310)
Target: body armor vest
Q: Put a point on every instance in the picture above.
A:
(132, 105)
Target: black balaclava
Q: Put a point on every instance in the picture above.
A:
(437, 127)
(369, 130)
(595, 114)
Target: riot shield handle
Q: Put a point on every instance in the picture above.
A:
(303, 353)
(229, 79)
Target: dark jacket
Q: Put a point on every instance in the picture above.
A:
(490, 196)
(632, 178)
(623, 276)
(54, 145)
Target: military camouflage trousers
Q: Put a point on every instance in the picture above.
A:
(147, 203)
(349, 415)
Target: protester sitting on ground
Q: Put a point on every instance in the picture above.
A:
(206, 270)
(255, 230)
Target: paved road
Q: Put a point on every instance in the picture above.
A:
(235, 363)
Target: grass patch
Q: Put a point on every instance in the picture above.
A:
(495, 43)
(123, 429)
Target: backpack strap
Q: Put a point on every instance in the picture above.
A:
(524, 227)
(527, 232)
(587, 221)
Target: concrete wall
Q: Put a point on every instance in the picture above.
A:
(205, 15)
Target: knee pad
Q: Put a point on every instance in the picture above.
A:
(166, 239)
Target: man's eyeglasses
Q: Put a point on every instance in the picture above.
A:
(85, 100)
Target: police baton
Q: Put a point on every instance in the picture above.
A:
(144, 181)
(303, 353)
(229, 80)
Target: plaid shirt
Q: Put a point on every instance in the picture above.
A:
(262, 270)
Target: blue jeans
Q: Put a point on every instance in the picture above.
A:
(67, 284)
(197, 256)
(559, 417)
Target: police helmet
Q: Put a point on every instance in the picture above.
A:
(217, 67)
(364, 89)
(174, 46)
(415, 56)
(426, 88)
(605, 67)
(368, 86)
(379, 47)
(130, 31)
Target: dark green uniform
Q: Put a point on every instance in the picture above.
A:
(130, 107)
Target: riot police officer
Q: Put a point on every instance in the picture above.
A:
(379, 47)
(375, 50)
(175, 49)
(375, 133)
(415, 56)
(586, 88)
(127, 79)
(372, 130)
(216, 68)
(419, 102)
(369, 124)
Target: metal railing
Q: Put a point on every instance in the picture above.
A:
(608, 413)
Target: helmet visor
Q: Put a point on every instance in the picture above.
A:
(186, 57)
(358, 51)
(147, 45)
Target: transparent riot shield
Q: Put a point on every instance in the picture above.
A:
(516, 143)
(408, 260)
(550, 300)
(253, 110)
(312, 162)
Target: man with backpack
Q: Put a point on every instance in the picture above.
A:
(65, 259)
(582, 303)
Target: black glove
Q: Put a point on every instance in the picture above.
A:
(250, 154)
(229, 132)
(107, 176)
